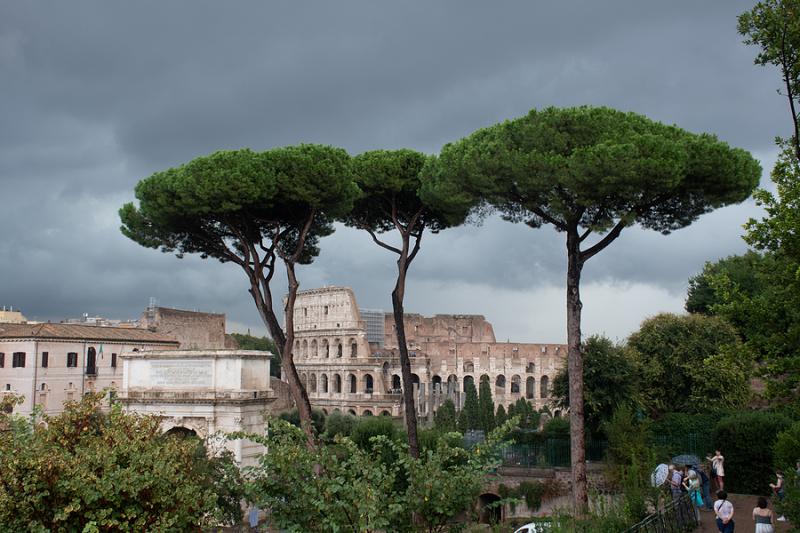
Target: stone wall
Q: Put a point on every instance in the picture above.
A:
(194, 330)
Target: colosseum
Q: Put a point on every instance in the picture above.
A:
(349, 361)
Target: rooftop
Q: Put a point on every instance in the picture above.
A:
(82, 332)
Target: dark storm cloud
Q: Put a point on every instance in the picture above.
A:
(97, 95)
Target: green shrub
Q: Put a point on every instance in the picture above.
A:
(556, 427)
(317, 419)
(746, 440)
(339, 424)
(677, 433)
(372, 426)
(786, 451)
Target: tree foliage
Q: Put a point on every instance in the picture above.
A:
(690, 364)
(109, 471)
(251, 209)
(592, 171)
(346, 487)
(445, 417)
(471, 418)
(611, 380)
(265, 344)
(390, 181)
(485, 406)
(741, 271)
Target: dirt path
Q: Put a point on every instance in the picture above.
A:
(743, 516)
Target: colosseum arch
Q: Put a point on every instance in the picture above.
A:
(467, 380)
(351, 384)
(500, 384)
(543, 383)
(516, 383)
(366, 412)
(339, 348)
(326, 348)
(353, 348)
(337, 383)
(305, 349)
(368, 383)
(304, 380)
(323, 384)
(312, 383)
(530, 388)
(452, 384)
(530, 368)
(314, 350)
(485, 377)
(397, 383)
(436, 380)
(468, 366)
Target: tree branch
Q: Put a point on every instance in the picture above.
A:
(380, 242)
(605, 241)
(539, 212)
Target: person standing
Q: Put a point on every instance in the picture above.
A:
(779, 491)
(693, 486)
(718, 468)
(705, 484)
(724, 511)
(763, 517)
(675, 480)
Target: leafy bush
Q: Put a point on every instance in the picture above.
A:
(339, 423)
(786, 450)
(677, 433)
(372, 426)
(445, 417)
(345, 487)
(556, 427)
(317, 419)
(746, 440)
(85, 470)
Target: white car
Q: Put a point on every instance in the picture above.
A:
(534, 527)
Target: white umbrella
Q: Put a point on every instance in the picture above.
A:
(659, 475)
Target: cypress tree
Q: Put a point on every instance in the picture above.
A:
(471, 410)
(501, 417)
(445, 417)
(486, 406)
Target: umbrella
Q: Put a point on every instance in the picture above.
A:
(686, 459)
(659, 475)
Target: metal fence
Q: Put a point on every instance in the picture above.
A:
(677, 516)
(549, 452)
(699, 444)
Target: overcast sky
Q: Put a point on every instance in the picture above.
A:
(95, 96)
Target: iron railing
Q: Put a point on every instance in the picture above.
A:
(549, 452)
(677, 516)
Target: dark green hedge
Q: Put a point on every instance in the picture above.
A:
(746, 440)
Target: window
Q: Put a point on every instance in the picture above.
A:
(8, 386)
(72, 359)
(2, 360)
(18, 360)
(113, 360)
(326, 309)
(45, 357)
(44, 386)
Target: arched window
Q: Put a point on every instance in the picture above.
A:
(304, 380)
(368, 383)
(397, 383)
(314, 352)
(500, 384)
(312, 385)
(351, 412)
(339, 348)
(91, 362)
(543, 387)
(337, 383)
(530, 386)
(530, 368)
(353, 348)
(351, 381)
(437, 383)
(386, 413)
(366, 412)
(323, 383)
(414, 379)
(44, 386)
(452, 384)
(516, 381)
(469, 367)
(326, 349)
(467, 381)
(305, 349)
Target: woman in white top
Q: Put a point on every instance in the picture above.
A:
(718, 468)
(724, 511)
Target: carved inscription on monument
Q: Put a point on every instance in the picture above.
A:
(180, 373)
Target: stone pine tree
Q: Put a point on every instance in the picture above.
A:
(391, 212)
(252, 209)
(486, 405)
(590, 173)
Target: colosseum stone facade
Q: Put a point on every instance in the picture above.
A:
(348, 358)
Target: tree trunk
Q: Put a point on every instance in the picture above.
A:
(398, 295)
(575, 367)
(296, 388)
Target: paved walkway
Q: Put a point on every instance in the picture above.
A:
(743, 516)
